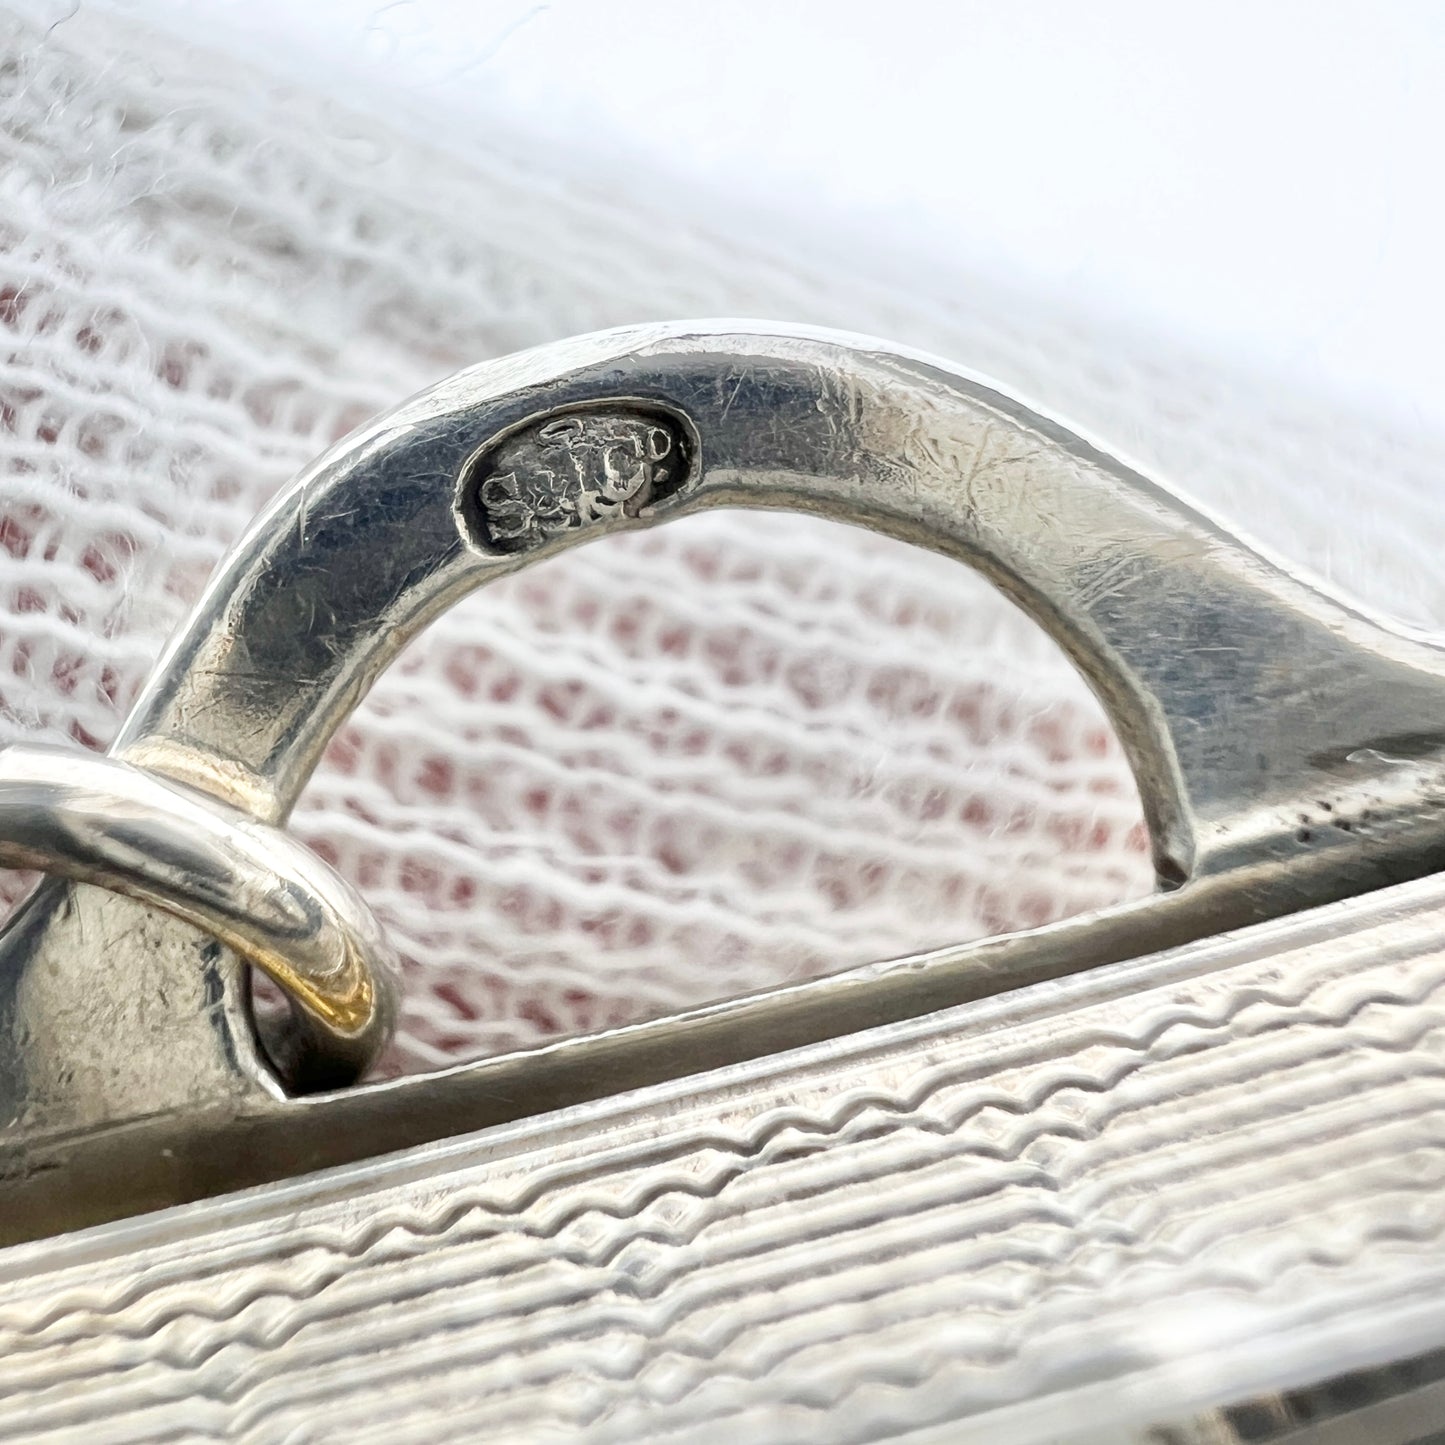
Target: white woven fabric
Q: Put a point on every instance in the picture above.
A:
(664, 769)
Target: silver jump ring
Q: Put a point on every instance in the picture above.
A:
(1280, 739)
(265, 896)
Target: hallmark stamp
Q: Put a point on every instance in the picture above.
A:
(573, 471)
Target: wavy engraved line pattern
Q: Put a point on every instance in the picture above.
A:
(1010, 1103)
(1064, 1287)
(754, 1323)
(946, 1408)
(272, 1341)
(570, 1175)
(808, 1122)
(552, 1179)
(447, 1416)
(1077, 1312)
(882, 1258)
(743, 1144)
(1325, 1062)
(1085, 1312)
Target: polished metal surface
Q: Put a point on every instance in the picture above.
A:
(267, 898)
(1289, 749)
(1167, 1173)
(1156, 1191)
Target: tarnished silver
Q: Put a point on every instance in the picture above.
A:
(1288, 748)
(271, 901)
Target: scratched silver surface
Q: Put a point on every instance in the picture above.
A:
(1130, 1195)
(1289, 749)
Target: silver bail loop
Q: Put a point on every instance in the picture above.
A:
(1282, 740)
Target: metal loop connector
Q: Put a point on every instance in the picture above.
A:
(265, 896)
(1289, 749)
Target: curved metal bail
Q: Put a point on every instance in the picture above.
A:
(1279, 736)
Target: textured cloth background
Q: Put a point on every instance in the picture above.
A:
(668, 767)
